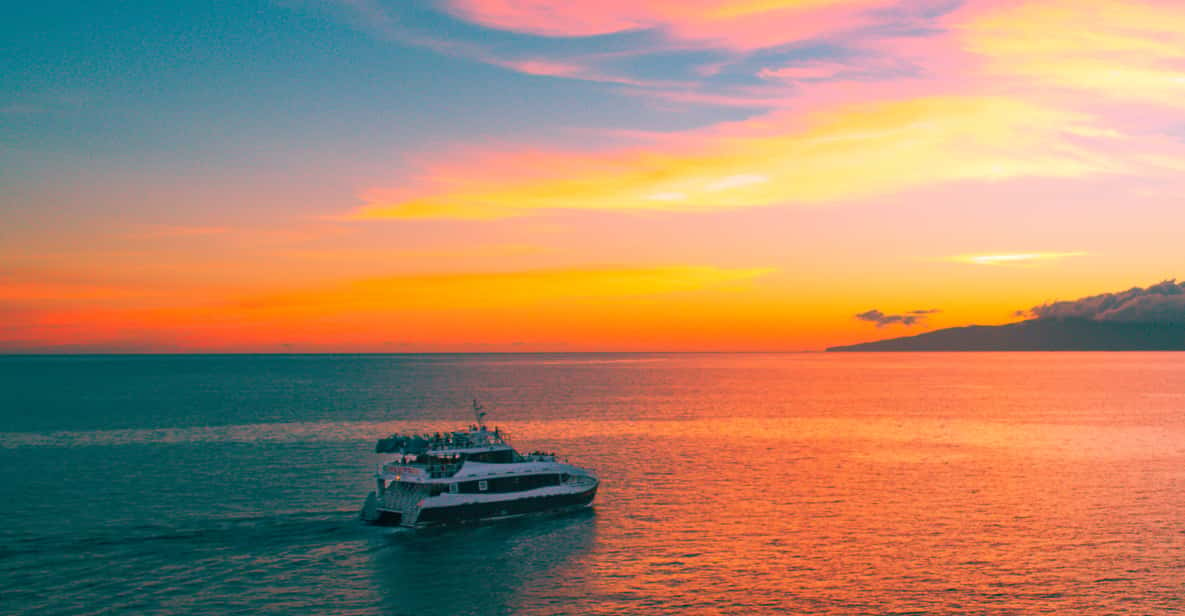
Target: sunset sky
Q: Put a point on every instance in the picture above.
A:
(546, 175)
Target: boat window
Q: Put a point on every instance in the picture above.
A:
(502, 456)
(483, 485)
(453, 488)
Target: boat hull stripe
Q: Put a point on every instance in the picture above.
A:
(477, 511)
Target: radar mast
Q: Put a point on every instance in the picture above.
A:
(479, 414)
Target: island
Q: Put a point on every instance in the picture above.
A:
(1040, 334)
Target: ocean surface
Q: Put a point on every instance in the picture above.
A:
(993, 483)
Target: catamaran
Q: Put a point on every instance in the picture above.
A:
(467, 476)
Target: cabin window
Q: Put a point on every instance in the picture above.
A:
(453, 488)
(483, 485)
(500, 456)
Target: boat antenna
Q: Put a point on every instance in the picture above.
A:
(479, 414)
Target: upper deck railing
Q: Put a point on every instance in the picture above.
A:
(474, 437)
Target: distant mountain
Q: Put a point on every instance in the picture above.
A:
(1045, 334)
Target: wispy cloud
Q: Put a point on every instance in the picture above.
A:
(811, 55)
(544, 56)
(721, 49)
(1017, 258)
(780, 158)
(727, 23)
(1115, 49)
(713, 52)
(855, 65)
(736, 181)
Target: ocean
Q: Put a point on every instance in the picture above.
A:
(929, 483)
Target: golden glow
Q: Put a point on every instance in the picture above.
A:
(859, 151)
(451, 291)
(1115, 48)
(559, 307)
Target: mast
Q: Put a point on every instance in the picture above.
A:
(479, 414)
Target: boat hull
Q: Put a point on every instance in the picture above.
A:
(371, 513)
(473, 512)
(476, 512)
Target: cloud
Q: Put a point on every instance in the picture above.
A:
(717, 49)
(913, 317)
(1018, 258)
(805, 71)
(736, 181)
(722, 23)
(1116, 49)
(947, 90)
(1160, 303)
(852, 65)
(779, 158)
(706, 52)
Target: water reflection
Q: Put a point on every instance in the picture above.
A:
(488, 569)
(798, 484)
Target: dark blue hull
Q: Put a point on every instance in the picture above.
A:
(473, 512)
(387, 518)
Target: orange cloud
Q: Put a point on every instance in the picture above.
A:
(853, 151)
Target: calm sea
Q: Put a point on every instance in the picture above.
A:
(732, 484)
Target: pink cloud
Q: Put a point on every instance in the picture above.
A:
(730, 24)
(550, 18)
(983, 100)
(730, 30)
(541, 67)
